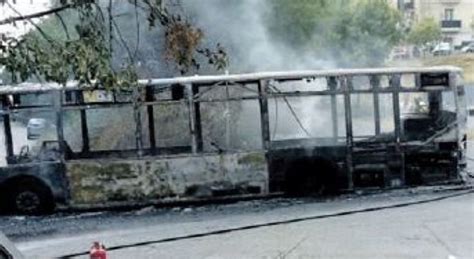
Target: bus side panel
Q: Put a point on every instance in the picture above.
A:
(95, 182)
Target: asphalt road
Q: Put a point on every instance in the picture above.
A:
(404, 232)
(443, 229)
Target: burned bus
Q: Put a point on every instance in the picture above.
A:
(213, 137)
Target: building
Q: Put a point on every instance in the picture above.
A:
(456, 17)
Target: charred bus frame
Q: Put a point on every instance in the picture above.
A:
(297, 166)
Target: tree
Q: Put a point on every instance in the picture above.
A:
(354, 33)
(82, 48)
(101, 43)
(472, 25)
(425, 32)
(365, 33)
(298, 23)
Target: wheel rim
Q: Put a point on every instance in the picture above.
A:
(27, 201)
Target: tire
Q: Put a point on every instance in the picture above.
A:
(30, 197)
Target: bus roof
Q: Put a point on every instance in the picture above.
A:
(206, 79)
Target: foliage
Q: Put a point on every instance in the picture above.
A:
(424, 32)
(81, 48)
(358, 33)
(182, 39)
(84, 58)
(366, 33)
(297, 23)
(472, 24)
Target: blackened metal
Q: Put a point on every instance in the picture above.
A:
(198, 122)
(33, 107)
(375, 85)
(240, 78)
(16, 99)
(149, 97)
(347, 85)
(7, 127)
(58, 104)
(370, 155)
(435, 79)
(192, 118)
(177, 92)
(138, 120)
(460, 120)
(68, 96)
(418, 81)
(84, 128)
(264, 117)
(332, 83)
(104, 105)
(395, 84)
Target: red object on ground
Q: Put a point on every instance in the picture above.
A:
(98, 251)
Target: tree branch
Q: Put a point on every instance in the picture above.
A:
(137, 21)
(122, 40)
(60, 18)
(109, 11)
(36, 15)
(45, 36)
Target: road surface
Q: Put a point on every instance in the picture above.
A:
(443, 229)
(436, 229)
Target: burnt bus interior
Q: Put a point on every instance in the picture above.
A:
(392, 131)
(321, 133)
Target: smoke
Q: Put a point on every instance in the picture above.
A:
(240, 26)
(246, 29)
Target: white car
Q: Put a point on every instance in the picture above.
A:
(35, 128)
(468, 49)
(443, 48)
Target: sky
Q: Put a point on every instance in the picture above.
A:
(25, 7)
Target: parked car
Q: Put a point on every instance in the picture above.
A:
(35, 128)
(442, 49)
(468, 49)
(400, 53)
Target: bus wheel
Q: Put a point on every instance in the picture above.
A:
(31, 197)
